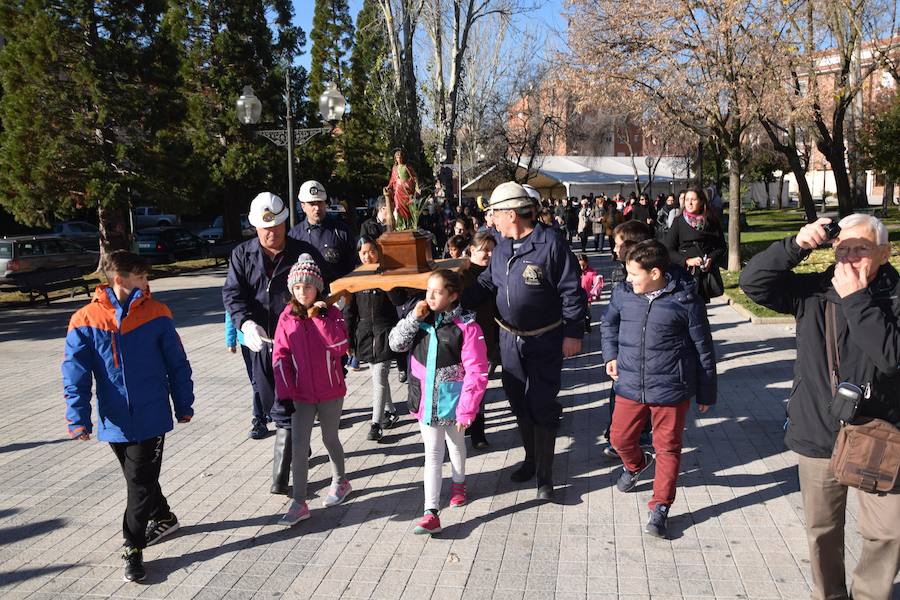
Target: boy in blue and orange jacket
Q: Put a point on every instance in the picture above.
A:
(125, 342)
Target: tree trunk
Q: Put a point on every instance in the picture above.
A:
(887, 198)
(780, 201)
(846, 202)
(734, 209)
(806, 199)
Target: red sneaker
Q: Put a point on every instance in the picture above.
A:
(429, 524)
(457, 494)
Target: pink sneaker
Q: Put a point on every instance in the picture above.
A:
(458, 494)
(429, 524)
(299, 511)
(337, 493)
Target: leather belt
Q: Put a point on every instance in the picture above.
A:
(529, 333)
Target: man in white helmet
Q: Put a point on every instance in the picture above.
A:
(255, 293)
(541, 306)
(330, 237)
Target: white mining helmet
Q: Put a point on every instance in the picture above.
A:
(510, 195)
(535, 195)
(267, 210)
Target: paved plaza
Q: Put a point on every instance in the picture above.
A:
(736, 524)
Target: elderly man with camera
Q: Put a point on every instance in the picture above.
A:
(846, 381)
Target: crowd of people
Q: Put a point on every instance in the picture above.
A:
(523, 306)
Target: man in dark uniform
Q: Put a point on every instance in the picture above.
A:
(330, 237)
(541, 309)
(255, 293)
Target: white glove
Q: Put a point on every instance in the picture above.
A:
(253, 335)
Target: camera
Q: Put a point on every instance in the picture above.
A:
(832, 230)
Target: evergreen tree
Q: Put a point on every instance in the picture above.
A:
(229, 45)
(332, 40)
(88, 98)
(364, 143)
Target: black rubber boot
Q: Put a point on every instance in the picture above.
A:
(281, 463)
(526, 470)
(476, 431)
(544, 448)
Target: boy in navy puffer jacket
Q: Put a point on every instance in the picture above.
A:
(125, 343)
(658, 349)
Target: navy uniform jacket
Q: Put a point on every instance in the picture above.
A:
(249, 293)
(334, 246)
(536, 285)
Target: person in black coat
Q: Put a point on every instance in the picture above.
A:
(370, 315)
(374, 227)
(696, 242)
(644, 212)
(860, 297)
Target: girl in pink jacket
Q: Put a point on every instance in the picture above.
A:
(309, 342)
(448, 374)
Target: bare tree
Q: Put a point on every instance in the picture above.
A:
(449, 24)
(401, 19)
(686, 58)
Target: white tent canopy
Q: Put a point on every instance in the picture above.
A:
(559, 176)
(604, 174)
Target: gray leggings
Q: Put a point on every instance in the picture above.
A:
(301, 430)
(381, 390)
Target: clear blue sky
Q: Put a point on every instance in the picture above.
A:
(546, 17)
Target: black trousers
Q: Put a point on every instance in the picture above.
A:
(583, 236)
(247, 355)
(264, 388)
(140, 463)
(532, 370)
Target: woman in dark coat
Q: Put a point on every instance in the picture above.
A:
(696, 242)
(644, 212)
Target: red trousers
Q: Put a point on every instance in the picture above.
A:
(668, 427)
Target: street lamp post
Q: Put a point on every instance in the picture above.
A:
(332, 106)
(649, 162)
(442, 157)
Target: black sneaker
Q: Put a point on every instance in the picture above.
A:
(157, 529)
(627, 480)
(258, 429)
(390, 419)
(374, 433)
(656, 524)
(134, 564)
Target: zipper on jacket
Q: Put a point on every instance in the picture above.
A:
(114, 350)
(643, 348)
(508, 265)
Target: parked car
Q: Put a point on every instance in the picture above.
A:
(168, 244)
(28, 253)
(214, 234)
(149, 216)
(81, 232)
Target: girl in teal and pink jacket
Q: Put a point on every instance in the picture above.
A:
(309, 342)
(448, 374)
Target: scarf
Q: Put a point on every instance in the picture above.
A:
(695, 220)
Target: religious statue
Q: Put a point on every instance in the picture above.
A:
(402, 185)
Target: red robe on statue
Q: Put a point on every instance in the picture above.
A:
(402, 186)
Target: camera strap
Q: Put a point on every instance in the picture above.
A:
(831, 346)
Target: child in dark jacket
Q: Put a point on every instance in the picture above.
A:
(447, 379)
(125, 343)
(658, 349)
(370, 315)
(310, 340)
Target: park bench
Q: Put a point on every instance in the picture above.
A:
(44, 281)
